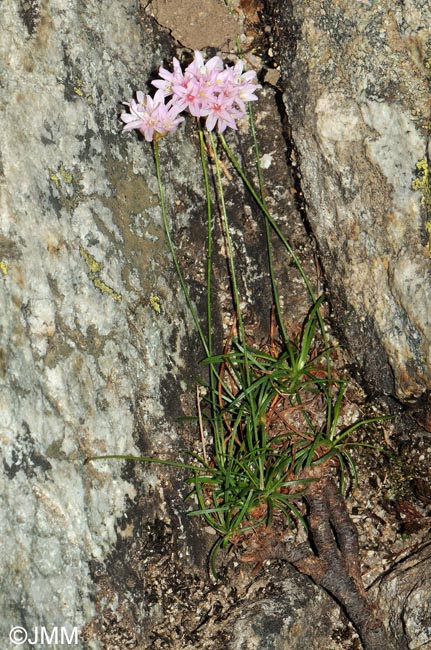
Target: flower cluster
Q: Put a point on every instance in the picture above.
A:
(210, 90)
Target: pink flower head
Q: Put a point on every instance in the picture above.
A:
(238, 85)
(223, 113)
(247, 86)
(209, 90)
(195, 97)
(169, 79)
(204, 72)
(196, 91)
(151, 116)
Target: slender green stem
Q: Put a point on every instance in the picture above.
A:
(268, 216)
(261, 203)
(172, 250)
(253, 430)
(274, 287)
(145, 459)
(209, 235)
(219, 442)
(229, 246)
(276, 229)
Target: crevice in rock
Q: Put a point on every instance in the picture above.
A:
(331, 559)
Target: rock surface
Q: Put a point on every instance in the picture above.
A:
(357, 91)
(95, 336)
(92, 323)
(284, 618)
(404, 595)
(97, 346)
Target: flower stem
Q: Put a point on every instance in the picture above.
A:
(261, 203)
(209, 235)
(274, 287)
(229, 246)
(254, 429)
(217, 429)
(172, 250)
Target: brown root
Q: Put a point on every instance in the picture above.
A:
(331, 560)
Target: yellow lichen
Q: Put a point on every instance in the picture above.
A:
(67, 185)
(99, 284)
(3, 267)
(423, 184)
(93, 265)
(155, 304)
(54, 178)
(428, 229)
(94, 268)
(79, 89)
(62, 173)
(65, 175)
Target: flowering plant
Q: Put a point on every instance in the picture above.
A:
(273, 411)
(257, 470)
(211, 90)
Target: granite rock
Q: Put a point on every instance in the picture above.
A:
(91, 319)
(96, 341)
(404, 596)
(357, 90)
